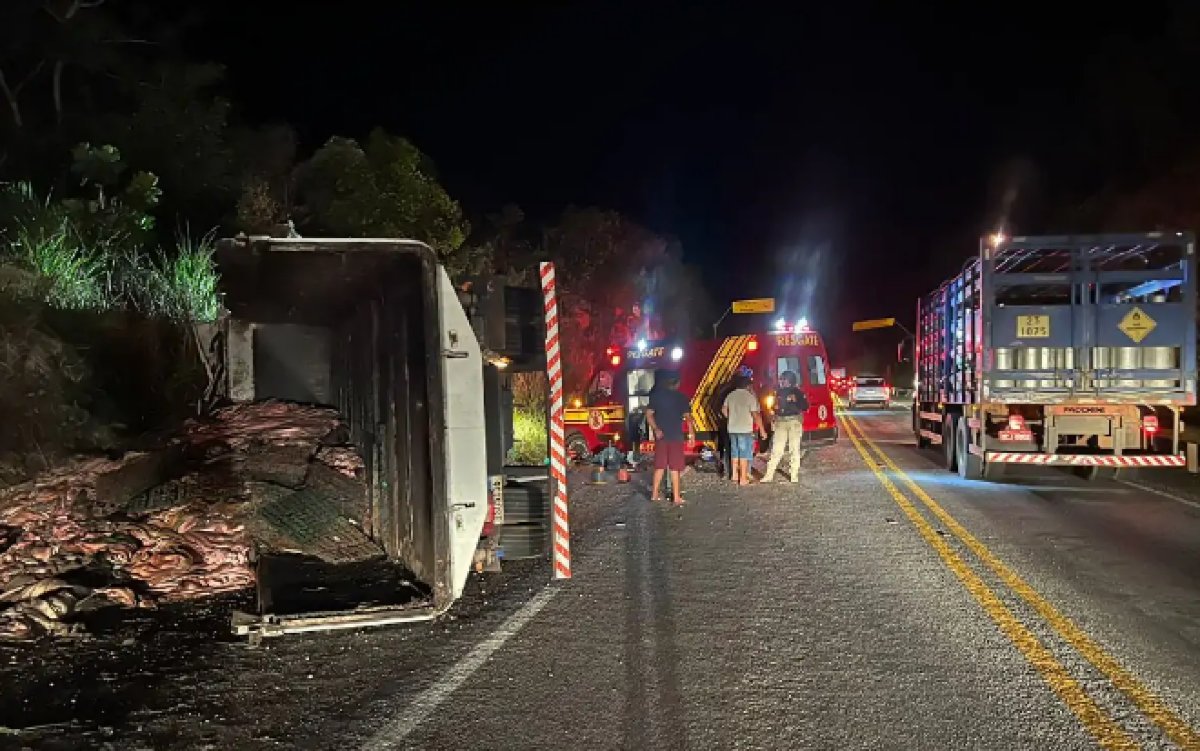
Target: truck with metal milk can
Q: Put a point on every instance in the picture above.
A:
(1069, 350)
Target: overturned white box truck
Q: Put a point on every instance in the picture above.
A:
(376, 329)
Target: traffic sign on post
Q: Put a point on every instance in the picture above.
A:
(874, 323)
(759, 305)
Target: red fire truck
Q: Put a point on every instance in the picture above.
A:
(618, 395)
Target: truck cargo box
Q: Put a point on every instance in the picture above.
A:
(373, 328)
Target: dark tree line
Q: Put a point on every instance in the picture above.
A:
(100, 107)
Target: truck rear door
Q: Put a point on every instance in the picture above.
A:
(465, 446)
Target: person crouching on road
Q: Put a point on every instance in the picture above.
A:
(667, 412)
(790, 406)
(744, 419)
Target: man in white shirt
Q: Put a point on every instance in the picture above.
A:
(744, 419)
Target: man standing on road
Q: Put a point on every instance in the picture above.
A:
(667, 412)
(744, 420)
(790, 406)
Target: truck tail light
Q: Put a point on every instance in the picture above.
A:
(615, 360)
(1150, 424)
(752, 345)
(1016, 422)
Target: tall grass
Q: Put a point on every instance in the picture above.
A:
(182, 285)
(529, 419)
(72, 273)
(529, 438)
(72, 277)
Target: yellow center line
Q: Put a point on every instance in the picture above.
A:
(1178, 730)
(1103, 728)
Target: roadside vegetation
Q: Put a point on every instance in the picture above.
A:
(121, 165)
(530, 441)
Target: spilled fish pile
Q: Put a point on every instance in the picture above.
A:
(177, 523)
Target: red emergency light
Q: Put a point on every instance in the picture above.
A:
(752, 345)
(614, 355)
(1150, 424)
(1016, 422)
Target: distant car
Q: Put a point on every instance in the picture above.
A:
(839, 382)
(867, 389)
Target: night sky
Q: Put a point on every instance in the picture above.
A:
(847, 151)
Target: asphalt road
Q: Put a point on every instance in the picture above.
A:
(879, 603)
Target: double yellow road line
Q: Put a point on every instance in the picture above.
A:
(1107, 731)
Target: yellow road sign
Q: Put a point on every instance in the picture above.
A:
(1033, 327)
(1137, 324)
(760, 305)
(874, 323)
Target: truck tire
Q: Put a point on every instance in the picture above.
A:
(519, 541)
(578, 448)
(970, 466)
(949, 443)
(526, 502)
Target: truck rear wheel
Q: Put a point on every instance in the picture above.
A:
(949, 442)
(970, 466)
(524, 541)
(526, 502)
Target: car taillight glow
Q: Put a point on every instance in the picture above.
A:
(1150, 423)
(1016, 422)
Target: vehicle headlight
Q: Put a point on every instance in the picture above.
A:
(769, 401)
(677, 354)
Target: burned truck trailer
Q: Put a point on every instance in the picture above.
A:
(375, 329)
(1064, 350)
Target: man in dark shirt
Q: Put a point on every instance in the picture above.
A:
(667, 413)
(790, 405)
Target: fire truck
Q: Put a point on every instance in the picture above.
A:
(614, 413)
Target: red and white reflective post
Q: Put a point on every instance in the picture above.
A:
(560, 528)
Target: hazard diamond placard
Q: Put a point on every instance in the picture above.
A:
(1136, 324)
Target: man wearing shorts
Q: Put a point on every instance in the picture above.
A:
(744, 419)
(667, 412)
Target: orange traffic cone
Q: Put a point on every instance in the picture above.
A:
(622, 475)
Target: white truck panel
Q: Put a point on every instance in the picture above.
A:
(466, 443)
